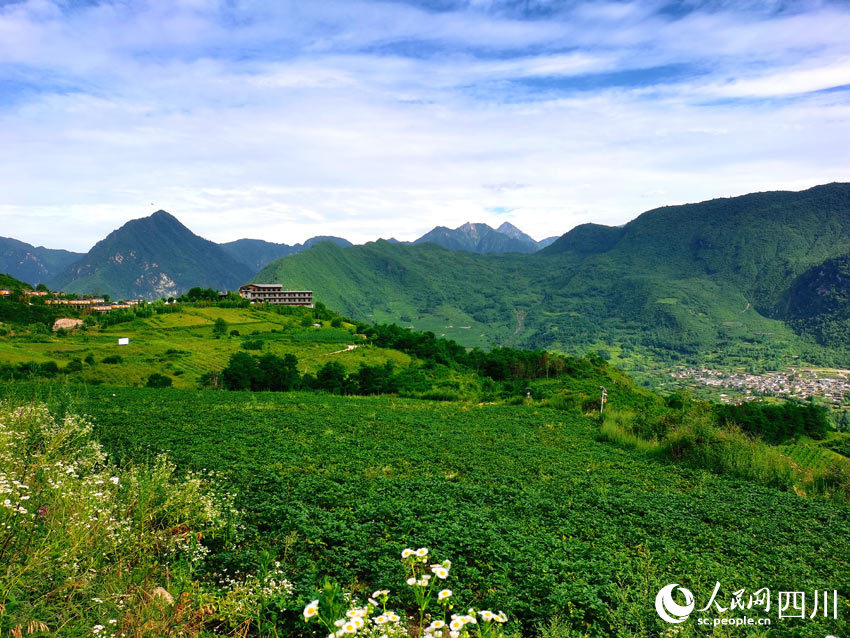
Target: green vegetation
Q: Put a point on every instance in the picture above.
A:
(739, 441)
(91, 548)
(541, 519)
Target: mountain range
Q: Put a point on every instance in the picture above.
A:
(34, 264)
(157, 256)
(732, 275)
(766, 273)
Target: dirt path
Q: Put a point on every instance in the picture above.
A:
(520, 320)
(520, 324)
(346, 349)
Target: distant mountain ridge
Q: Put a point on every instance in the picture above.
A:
(33, 264)
(257, 253)
(152, 257)
(481, 238)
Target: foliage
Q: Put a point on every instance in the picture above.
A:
(219, 327)
(776, 423)
(113, 358)
(157, 380)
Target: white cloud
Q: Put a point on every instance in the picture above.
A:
(287, 120)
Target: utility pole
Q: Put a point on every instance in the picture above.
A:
(602, 399)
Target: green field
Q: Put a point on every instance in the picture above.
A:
(182, 345)
(539, 516)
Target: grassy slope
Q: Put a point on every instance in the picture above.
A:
(539, 516)
(190, 333)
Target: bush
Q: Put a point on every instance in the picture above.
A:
(89, 359)
(113, 358)
(254, 344)
(157, 380)
(74, 365)
(234, 333)
(219, 327)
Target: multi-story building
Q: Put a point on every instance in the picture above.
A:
(275, 294)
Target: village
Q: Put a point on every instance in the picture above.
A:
(95, 304)
(795, 383)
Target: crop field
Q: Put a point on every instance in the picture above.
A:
(182, 346)
(540, 518)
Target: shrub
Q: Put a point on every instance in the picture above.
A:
(89, 359)
(113, 358)
(74, 365)
(252, 344)
(219, 327)
(234, 333)
(157, 380)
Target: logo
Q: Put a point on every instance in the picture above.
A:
(669, 610)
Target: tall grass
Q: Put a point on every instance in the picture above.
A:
(728, 450)
(88, 548)
(693, 438)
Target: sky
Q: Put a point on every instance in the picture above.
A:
(281, 120)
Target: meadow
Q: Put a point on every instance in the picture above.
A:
(183, 346)
(541, 517)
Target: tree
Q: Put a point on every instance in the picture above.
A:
(241, 372)
(331, 377)
(157, 380)
(219, 328)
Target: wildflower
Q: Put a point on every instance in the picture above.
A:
(97, 629)
(381, 620)
(454, 634)
(501, 617)
(373, 602)
(411, 581)
(422, 551)
(114, 480)
(358, 622)
(349, 627)
(441, 572)
(438, 624)
(340, 622)
(444, 594)
(311, 609)
(380, 593)
(392, 616)
(487, 615)
(456, 624)
(407, 553)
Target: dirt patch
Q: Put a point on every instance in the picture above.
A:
(67, 323)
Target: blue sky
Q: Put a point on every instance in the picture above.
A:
(283, 120)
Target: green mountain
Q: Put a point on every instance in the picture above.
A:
(152, 257)
(679, 280)
(35, 264)
(256, 253)
(480, 238)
